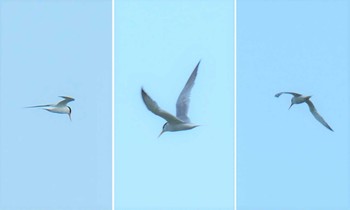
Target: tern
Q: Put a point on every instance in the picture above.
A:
(60, 108)
(298, 99)
(181, 121)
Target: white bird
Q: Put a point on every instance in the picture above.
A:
(181, 121)
(298, 99)
(60, 108)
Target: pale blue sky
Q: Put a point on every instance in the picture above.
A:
(158, 44)
(287, 159)
(48, 49)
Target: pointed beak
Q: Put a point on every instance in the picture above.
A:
(161, 133)
(290, 106)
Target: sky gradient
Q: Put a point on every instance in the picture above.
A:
(48, 49)
(286, 158)
(158, 44)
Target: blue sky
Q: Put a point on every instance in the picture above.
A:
(158, 44)
(286, 159)
(49, 49)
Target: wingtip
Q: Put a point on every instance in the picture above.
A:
(67, 97)
(196, 68)
(143, 94)
(198, 63)
(277, 95)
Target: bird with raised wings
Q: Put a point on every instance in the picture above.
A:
(181, 121)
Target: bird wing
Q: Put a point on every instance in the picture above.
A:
(47, 105)
(155, 109)
(317, 115)
(183, 102)
(65, 101)
(294, 94)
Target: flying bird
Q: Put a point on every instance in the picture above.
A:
(181, 121)
(298, 99)
(60, 108)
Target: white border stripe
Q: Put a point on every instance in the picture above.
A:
(235, 104)
(112, 104)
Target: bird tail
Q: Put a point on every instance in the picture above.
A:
(308, 97)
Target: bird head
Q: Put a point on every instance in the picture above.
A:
(165, 128)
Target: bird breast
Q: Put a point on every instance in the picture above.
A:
(300, 99)
(179, 127)
(59, 110)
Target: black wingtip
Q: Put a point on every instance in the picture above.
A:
(143, 93)
(198, 63)
(196, 68)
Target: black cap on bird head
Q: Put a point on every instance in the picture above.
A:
(70, 112)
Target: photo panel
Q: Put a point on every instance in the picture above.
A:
(174, 63)
(56, 156)
(296, 158)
